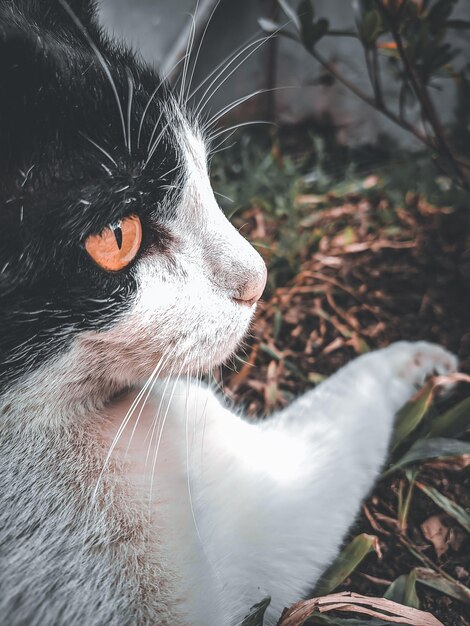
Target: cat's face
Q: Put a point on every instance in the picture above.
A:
(113, 251)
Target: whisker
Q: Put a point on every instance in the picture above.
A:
(237, 126)
(233, 105)
(100, 148)
(219, 149)
(152, 96)
(217, 193)
(101, 60)
(188, 472)
(224, 64)
(162, 362)
(160, 434)
(150, 143)
(187, 56)
(260, 42)
(153, 428)
(201, 41)
(229, 107)
(188, 467)
(130, 84)
(125, 421)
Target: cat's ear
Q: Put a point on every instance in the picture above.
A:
(80, 11)
(39, 35)
(32, 53)
(38, 17)
(24, 51)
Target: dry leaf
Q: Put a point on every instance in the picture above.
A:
(348, 602)
(451, 464)
(246, 369)
(437, 533)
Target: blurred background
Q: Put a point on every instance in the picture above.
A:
(350, 173)
(160, 29)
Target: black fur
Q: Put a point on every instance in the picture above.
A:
(56, 186)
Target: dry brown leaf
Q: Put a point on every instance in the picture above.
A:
(271, 390)
(437, 532)
(328, 260)
(454, 463)
(375, 580)
(309, 198)
(240, 376)
(345, 315)
(260, 230)
(257, 385)
(377, 245)
(373, 522)
(451, 379)
(349, 602)
(336, 344)
(370, 181)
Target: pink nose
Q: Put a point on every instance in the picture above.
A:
(253, 288)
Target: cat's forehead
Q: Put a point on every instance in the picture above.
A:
(72, 111)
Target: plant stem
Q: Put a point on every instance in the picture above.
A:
(427, 106)
(371, 101)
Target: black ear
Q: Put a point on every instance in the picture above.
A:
(51, 13)
(40, 41)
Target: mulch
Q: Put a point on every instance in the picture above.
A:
(374, 275)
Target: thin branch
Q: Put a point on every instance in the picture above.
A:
(372, 101)
(427, 105)
(376, 72)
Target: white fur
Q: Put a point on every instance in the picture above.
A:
(236, 511)
(266, 505)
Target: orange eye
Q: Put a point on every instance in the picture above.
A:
(116, 246)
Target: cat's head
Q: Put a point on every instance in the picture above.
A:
(114, 254)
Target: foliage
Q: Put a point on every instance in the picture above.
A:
(325, 217)
(254, 175)
(258, 179)
(412, 35)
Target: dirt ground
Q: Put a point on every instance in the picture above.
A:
(366, 281)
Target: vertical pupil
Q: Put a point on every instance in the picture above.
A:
(118, 234)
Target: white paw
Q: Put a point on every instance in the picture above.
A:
(416, 362)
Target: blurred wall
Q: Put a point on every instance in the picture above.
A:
(159, 29)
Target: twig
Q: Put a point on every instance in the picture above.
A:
(427, 106)
(371, 101)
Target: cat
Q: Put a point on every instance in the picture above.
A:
(131, 493)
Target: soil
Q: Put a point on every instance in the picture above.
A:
(370, 279)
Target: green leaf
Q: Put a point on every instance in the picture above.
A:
(449, 506)
(403, 590)
(440, 12)
(404, 502)
(320, 29)
(305, 17)
(350, 557)
(310, 32)
(425, 449)
(370, 27)
(453, 422)
(411, 414)
(444, 584)
(256, 615)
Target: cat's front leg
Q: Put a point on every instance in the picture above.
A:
(274, 499)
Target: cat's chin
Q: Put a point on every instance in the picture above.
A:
(126, 356)
(197, 361)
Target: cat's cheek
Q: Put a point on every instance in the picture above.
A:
(179, 331)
